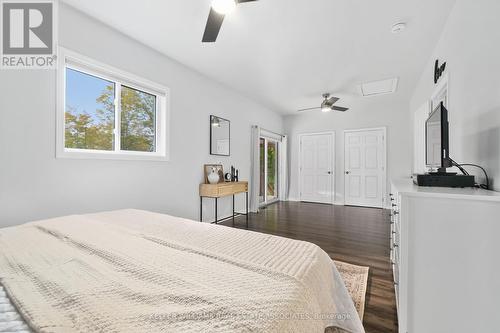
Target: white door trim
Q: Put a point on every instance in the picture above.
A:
(384, 187)
(334, 173)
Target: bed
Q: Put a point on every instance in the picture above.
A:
(138, 271)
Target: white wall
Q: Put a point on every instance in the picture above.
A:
(470, 46)
(34, 184)
(390, 111)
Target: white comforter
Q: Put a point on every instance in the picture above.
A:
(136, 271)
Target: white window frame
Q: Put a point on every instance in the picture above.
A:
(73, 60)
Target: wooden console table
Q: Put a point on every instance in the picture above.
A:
(220, 190)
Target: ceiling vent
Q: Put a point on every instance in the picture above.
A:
(381, 87)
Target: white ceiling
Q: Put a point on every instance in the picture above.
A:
(286, 53)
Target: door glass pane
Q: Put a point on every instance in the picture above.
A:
(272, 171)
(138, 119)
(90, 111)
(262, 186)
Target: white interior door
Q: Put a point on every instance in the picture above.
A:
(365, 171)
(316, 167)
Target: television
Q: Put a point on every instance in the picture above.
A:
(437, 154)
(437, 150)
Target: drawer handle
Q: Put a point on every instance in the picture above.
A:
(394, 205)
(395, 245)
(395, 212)
(393, 232)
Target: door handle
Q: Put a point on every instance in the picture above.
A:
(347, 172)
(329, 172)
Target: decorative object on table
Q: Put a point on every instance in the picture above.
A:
(438, 70)
(232, 176)
(213, 176)
(214, 173)
(220, 136)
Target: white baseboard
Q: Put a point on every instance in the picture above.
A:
(298, 200)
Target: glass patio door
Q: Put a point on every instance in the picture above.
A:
(268, 171)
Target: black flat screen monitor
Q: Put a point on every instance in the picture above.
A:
(437, 153)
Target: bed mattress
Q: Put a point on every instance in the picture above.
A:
(135, 271)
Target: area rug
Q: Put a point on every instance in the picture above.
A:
(356, 280)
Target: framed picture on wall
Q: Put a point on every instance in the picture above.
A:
(220, 136)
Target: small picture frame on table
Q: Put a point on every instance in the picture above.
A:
(207, 168)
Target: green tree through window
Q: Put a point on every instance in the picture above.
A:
(90, 115)
(89, 121)
(137, 120)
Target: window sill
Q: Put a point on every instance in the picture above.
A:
(100, 155)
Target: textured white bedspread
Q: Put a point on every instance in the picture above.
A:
(136, 271)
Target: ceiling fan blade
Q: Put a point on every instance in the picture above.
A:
(308, 109)
(242, 1)
(213, 26)
(339, 108)
(332, 100)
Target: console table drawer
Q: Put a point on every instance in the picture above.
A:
(222, 189)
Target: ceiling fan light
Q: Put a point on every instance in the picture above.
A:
(325, 108)
(223, 6)
(216, 122)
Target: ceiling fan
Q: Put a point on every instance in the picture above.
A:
(216, 16)
(327, 105)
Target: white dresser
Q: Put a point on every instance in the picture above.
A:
(445, 252)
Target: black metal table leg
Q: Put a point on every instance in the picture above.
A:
(215, 210)
(246, 199)
(233, 209)
(201, 209)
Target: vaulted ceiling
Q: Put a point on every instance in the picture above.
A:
(286, 53)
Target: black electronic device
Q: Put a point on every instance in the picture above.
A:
(437, 154)
(444, 180)
(437, 143)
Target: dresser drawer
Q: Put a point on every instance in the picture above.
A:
(395, 277)
(396, 259)
(396, 234)
(395, 272)
(395, 250)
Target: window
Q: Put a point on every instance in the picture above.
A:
(106, 113)
(89, 115)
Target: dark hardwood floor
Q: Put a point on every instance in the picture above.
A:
(355, 235)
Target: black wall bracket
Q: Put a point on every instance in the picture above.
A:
(438, 70)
